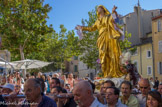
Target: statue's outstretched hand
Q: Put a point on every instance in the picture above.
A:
(114, 9)
(78, 27)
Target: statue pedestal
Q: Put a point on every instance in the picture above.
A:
(117, 81)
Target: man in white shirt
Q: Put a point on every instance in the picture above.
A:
(83, 95)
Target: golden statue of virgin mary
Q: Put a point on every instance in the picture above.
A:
(107, 42)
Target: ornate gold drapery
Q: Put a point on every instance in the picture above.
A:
(108, 45)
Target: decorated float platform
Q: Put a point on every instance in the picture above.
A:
(117, 81)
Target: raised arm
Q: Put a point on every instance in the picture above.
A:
(86, 28)
(114, 10)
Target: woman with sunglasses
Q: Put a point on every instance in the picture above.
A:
(154, 99)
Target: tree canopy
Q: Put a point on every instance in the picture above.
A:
(25, 33)
(23, 27)
(61, 47)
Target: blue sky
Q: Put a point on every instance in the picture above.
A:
(70, 12)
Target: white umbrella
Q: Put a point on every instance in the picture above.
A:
(29, 64)
(7, 65)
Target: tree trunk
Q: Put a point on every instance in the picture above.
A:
(21, 53)
(22, 58)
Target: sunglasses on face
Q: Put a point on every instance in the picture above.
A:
(143, 87)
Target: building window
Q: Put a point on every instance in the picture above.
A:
(159, 25)
(71, 63)
(75, 58)
(75, 68)
(148, 54)
(160, 67)
(149, 70)
(87, 67)
(160, 46)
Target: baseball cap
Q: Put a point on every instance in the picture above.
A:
(8, 85)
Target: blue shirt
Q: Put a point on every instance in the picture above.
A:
(48, 87)
(46, 102)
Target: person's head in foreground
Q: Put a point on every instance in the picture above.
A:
(34, 94)
(83, 94)
(7, 88)
(107, 84)
(160, 89)
(32, 90)
(154, 99)
(144, 86)
(126, 88)
(112, 95)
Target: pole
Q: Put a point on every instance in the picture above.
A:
(5, 67)
(6, 64)
(153, 61)
(140, 59)
(25, 69)
(138, 3)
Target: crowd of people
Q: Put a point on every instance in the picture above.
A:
(61, 91)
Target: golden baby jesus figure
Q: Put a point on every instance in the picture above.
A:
(107, 42)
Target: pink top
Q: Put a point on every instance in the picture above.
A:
(71, 82)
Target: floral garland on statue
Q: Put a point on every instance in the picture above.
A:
(129, 68)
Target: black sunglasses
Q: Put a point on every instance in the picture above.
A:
(143, 87)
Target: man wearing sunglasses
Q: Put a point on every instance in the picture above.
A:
(144, 87)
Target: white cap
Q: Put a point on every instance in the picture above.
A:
(56, 74)
(8, 85)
